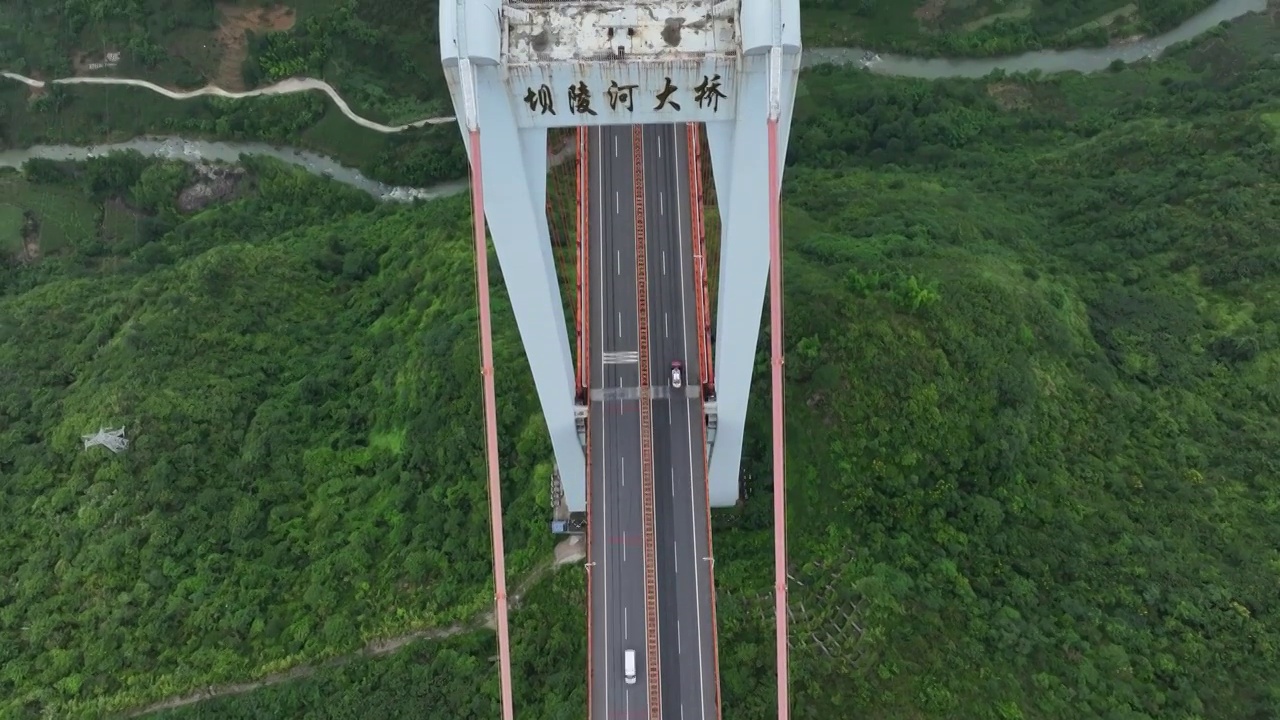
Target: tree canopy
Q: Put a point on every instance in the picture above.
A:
(297, 372)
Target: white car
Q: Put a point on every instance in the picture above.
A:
(629, 667)
(677, 374)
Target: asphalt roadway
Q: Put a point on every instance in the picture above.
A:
(617, 549)
(685, 622)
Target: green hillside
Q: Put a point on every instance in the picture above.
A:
(297, 374)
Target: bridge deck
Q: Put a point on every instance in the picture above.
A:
(685, 611)
(616, 525)
(686, 622)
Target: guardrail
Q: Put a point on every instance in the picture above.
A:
(584, 365)
(582, 312)
(646, 434)
(697, 200)
(704, 352)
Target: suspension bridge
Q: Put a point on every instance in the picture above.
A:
(677, 114)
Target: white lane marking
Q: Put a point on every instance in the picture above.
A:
(619, 323)
(662, 207)
(638, 144)
(615, 146)
(618, 262)
(624, 472)
(604, 470)
(679, 639)
(675, 552)
(684, 314)
(621, 357)
(626, 631)
(682, 712)
(617, 203)
(666, 331)
(624, 546)
(659, 146)
(664, 262)
(627, 695)
(673, 482)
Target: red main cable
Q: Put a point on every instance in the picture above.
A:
(779, 456)
(491, 427)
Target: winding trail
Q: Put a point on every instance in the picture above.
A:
(566, 552)
(284, 87)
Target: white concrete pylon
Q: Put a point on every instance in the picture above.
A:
(533, 63)
(740, 168)
(515, 182)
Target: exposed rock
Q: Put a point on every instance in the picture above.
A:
(213, 184)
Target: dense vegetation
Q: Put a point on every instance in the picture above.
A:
(1034, 401)
(1033, 336)
(297, 373)
(451, 678)
(1033, 346)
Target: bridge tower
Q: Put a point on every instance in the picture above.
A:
(516, 69)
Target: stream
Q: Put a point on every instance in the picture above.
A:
(1086, 60)
(229, 152)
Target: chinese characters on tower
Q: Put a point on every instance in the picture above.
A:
(664, 96)
(707, 94)
(541, 100)
(621, 95)
(580, 99)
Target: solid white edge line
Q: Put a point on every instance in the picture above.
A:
(684, 314)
